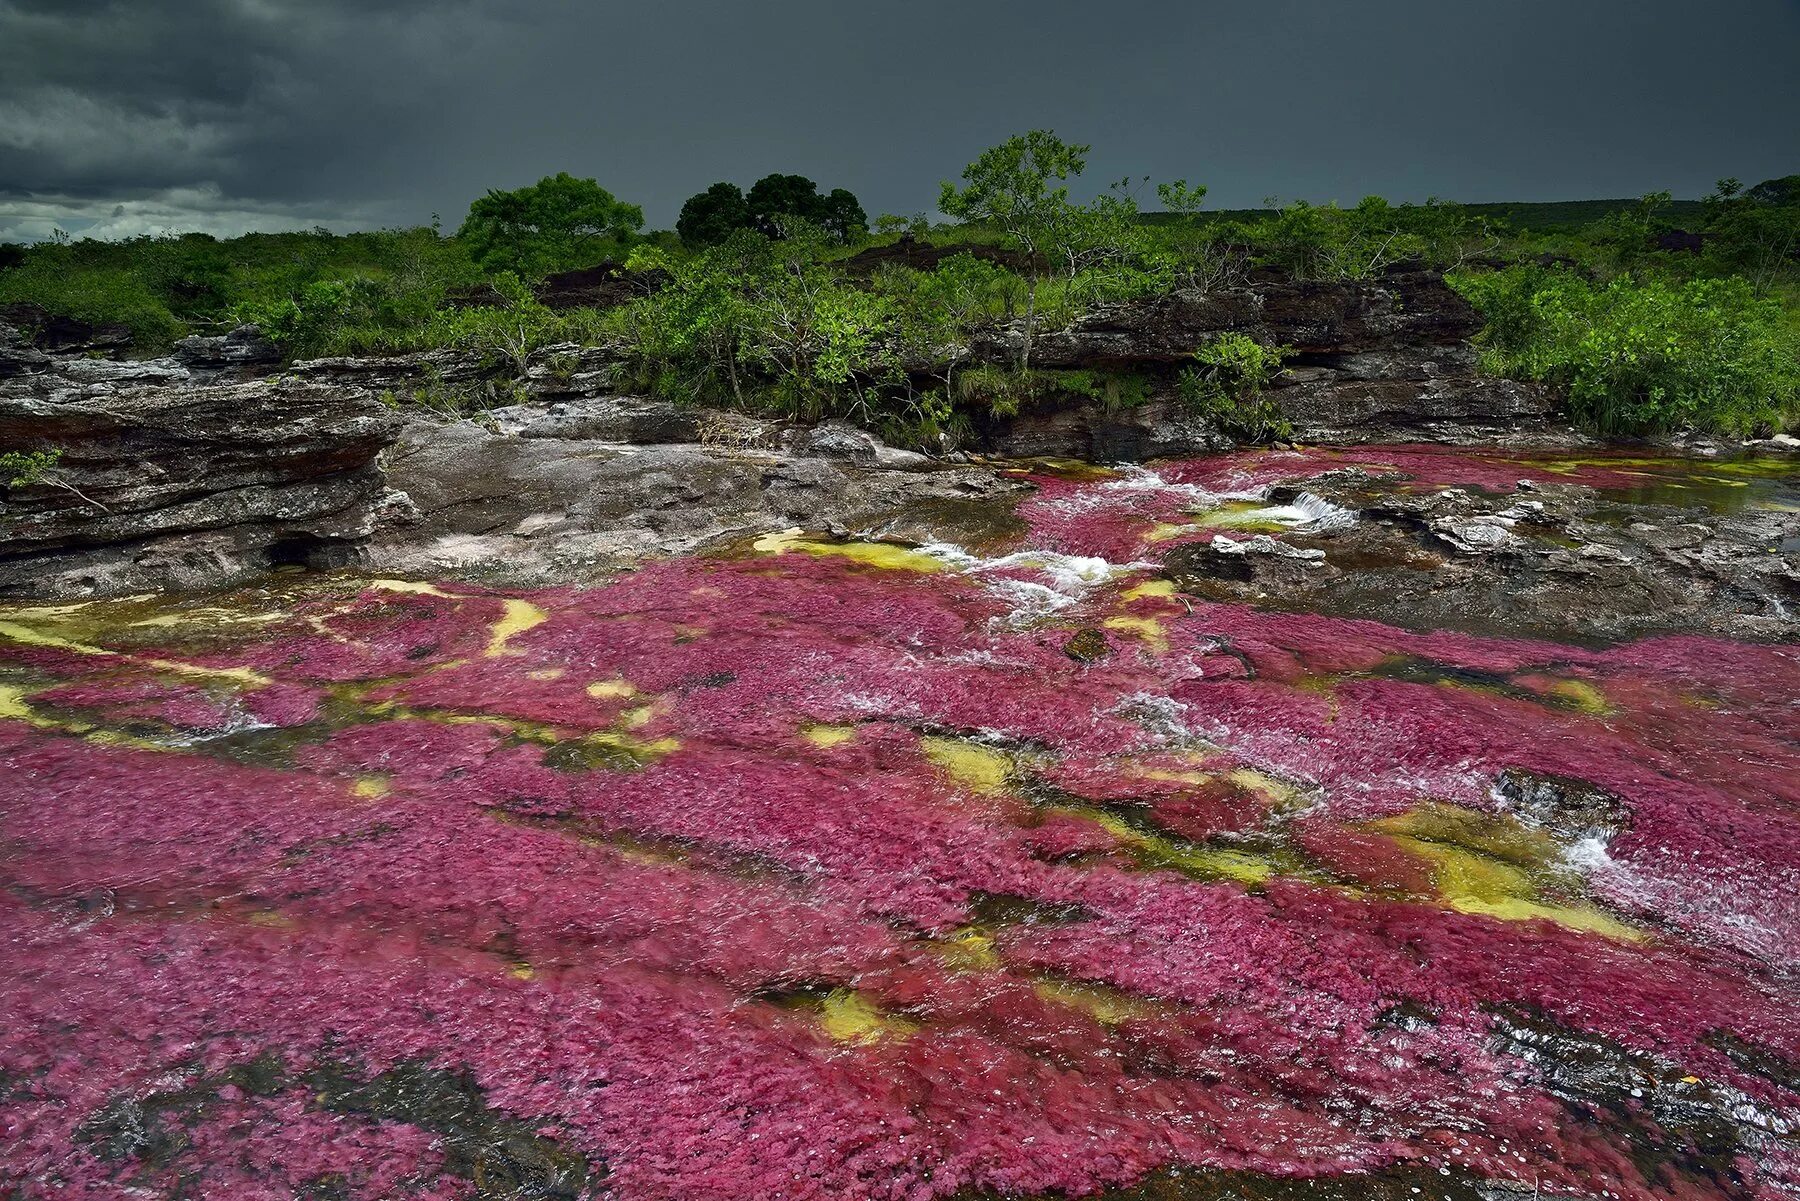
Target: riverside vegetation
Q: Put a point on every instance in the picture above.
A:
(1648, 317)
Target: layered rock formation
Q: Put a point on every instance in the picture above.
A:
(1381, 361)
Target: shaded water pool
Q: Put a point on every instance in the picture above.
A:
(812, 869)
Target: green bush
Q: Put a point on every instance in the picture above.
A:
(556, 224)
(1644, 354)
(1226, 386)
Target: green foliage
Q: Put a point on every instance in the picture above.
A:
(556, 224)
(1642, 353)
(775, 205)
(22, 468)
(1226, 386)
(1755, 234)
(163, 287)
(1328, 242)
(710, 217)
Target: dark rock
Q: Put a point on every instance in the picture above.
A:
(243, 347)
(44, 330)
(1087, 645)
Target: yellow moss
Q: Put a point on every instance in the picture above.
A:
(611, 689)
(1210, 863)
(516, 617)
(521, 971)
(370, 787)
(1165, 531)
(828, 736)
(969, 950)
(849, 1017)
(977, 768)
(13, 706)
(1151, 631)
(875, 554)
(641, 749)
(546, 673)
(1163, 589)
(30, 637)
(1495, 867)
(1107, 1005)
(1280, 792)
(639, 717)
(1582, 695)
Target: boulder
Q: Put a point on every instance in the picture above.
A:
(179, 487)
(243, 347)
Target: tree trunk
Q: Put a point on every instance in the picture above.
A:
(1031, 286)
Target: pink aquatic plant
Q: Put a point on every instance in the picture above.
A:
(791, 876)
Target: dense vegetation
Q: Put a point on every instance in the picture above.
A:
(1650, 316)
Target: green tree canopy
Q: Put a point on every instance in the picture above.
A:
(1017, 189)
(710, 217)
(774, 201)
(556, 224)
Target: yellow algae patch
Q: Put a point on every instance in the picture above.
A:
(14, 707)
(977, 768)
(641, 749)
(370, 788)
(516, 617)
(521, 971)
(1582, 695)
(849, 1017)
(1162, 589)
(969, 950)
(1282, 793)
(828, 736)
(611, 689)
(1157, 851)
(1151, 631)
(1166, 531)
(1107, 1005)
(1495, 868)
(412, 586)
(30, 637)
(875, 554)
(546, 673)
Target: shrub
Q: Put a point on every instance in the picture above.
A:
(1641, 353)
(1226, 386)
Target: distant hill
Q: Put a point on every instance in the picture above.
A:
(1520, 214)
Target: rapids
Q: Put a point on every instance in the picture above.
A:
(811, 868)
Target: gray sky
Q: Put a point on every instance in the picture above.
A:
(120, 117)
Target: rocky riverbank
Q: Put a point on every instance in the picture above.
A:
(218, 464)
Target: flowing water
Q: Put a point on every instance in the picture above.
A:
(814, 869)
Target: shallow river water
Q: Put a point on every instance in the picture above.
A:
(815, 869)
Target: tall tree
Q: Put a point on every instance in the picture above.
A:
(709, 217)
(554, 224)
(1018, 189)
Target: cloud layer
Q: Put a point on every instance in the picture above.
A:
(125, 116)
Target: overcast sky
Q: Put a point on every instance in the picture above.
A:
(120, 117)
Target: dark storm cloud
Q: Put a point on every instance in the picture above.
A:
(120, 116)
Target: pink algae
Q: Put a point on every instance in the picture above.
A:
(792, 877)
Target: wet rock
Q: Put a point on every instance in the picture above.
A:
(1087, 645)
(1475, 535)
(543, 510)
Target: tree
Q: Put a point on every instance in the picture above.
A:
(842, 216)
(710, 217)
(1016, 188)
(772, 208)
(552, 225)
(1780, 192)
(776, 196)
